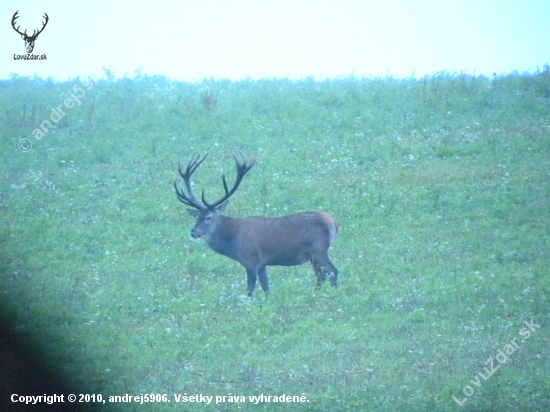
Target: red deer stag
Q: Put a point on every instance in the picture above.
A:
(257, 242)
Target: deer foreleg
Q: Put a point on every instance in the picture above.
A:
(251, 275)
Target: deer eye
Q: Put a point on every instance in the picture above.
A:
(208, 218)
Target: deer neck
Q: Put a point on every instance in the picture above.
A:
(222, 238)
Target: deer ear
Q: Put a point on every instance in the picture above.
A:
(193, 212)
(222, 207)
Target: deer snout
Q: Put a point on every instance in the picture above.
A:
(195, 234)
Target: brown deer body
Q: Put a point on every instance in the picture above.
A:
(257, 242)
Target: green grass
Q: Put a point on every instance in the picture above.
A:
(440, 187)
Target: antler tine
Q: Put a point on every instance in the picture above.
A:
(242, 170)
(252, 162)
(189, 199)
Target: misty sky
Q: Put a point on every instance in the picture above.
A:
(191, 40)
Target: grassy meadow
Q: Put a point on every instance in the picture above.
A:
(440, 187)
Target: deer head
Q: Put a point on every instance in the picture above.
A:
(207, 214)
(29, 40)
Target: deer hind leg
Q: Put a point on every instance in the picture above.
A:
(324, 268)
(319, 272)
(333, 272)
(264, 281)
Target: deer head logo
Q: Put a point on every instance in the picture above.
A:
(29, 40)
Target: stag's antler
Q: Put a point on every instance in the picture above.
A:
(242, 169)
(189, 199)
